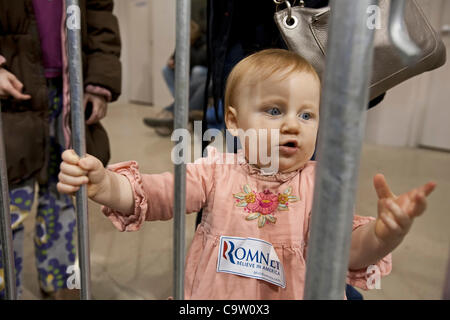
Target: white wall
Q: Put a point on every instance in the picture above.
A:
(148, 39)
(164, 17)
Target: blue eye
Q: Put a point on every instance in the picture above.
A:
(306, 116)
(274, 111)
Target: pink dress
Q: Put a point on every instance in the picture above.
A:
(238, 201)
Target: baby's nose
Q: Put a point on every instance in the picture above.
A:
(290, 124)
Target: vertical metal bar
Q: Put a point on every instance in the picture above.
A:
(73, 24)
(183, 12)
(446, 293)
(342, 121)
(6, 240)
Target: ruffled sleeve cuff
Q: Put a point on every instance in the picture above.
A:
(132, 222)
(366, 278)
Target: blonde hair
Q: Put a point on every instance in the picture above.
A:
(262, 65)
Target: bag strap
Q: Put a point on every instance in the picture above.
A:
(288, 6)
(279, 2)
(289, 21)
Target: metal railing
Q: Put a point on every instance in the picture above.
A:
(180, 121)
(342, 117)
(73, 28)
(6, 241)
(342, 122)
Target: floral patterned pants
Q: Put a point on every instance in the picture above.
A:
(55, 219)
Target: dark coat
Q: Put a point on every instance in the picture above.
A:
(25, 123)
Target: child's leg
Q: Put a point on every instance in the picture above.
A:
(169, 77)
(21, 200)
(55, 220)
(54, 239)
(18, 235)
(197, 88)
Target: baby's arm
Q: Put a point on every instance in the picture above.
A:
(103, 186)
(375, 240)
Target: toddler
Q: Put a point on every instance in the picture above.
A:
(252, 241)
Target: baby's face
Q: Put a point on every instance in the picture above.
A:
(290, 105)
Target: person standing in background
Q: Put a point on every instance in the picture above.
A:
(34, 94)
(162, 121)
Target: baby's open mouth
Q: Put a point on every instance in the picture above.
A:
(290, 144)
(289, 148)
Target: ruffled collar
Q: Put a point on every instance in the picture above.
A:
(262, 174)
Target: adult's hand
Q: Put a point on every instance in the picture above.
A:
(171, 63)
(11, 86)
(99, 107)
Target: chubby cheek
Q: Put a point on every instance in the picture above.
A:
(310, 147)
(287, 164)
(246, 120)
(258, 151)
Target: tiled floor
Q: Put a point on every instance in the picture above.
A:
(139, 265)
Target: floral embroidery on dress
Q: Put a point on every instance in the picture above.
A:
(262, 205)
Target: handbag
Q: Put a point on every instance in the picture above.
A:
(307, 33)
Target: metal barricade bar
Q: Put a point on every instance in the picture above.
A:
(6, 240)
(446, 291)
(342, 120)
(73, 27)
(344, 100)
(183, 16)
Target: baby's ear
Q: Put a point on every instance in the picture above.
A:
(231, 120)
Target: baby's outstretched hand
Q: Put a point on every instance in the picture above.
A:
(75, 172)
(396, 213)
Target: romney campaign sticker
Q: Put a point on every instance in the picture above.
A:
(252, 258)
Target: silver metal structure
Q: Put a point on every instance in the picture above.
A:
(73, 27)
(180, 121)
(6, 242)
